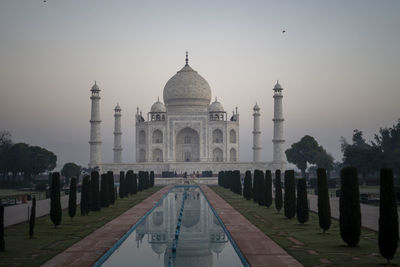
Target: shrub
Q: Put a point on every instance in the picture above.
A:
(85, 195)
(121, 184)
(151, 178)
(104, 191)
(2, 243)
(349, 207)
(111, 194)
(268, 188)
(95, 193)
(55, 203)
(324, 207)
(278, 190)
(290, 195)
(32, 218)
(302, 201)
(72, 198)
(388, 218)
(247, 186)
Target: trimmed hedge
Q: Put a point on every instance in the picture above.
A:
(278, 190)
(72, 198)
(290, 195)
(268, 188)
(95, 192)
(247, 186)
(324, 207)
(85, 196)
(302, 201)
(32, 218)
(55, 201)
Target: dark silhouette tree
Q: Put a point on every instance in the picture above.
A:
(302, 201)
(104, 191)
(85, 196)
(290, 194)
(121, 184)
(129, 181)
(261, 188)
(388, 218)
(32, 218)
(95, 192)
(135, 183)
(140, 184)
(349, 207)
(278, 190)
(72, 198)
(268, 188)
(55, 201)
(324, 207)
(71, 169)
(247, 186)
(111, 193)
(2, 242)
(151, 178)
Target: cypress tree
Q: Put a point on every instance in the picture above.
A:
(95, 193)
(55, 202)
(247, 186)
(278, 190)
(104, 191)
(140, 181)
(261, 189)
(290, 195)
(32, 218)
(324, 207)
(2, 243)
(72, 198)
(130, 182)
(256, 185)
(146, 180)
(268, 188)
(220, 178)
(85, 195)
(121, 184)
(302, 201)
(237, 182)
(135, 183)
(388, 218)
(151, 178)
(349, 207)
(111, 194)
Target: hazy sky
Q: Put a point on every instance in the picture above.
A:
(339, 64)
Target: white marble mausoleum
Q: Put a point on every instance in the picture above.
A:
(188, 132)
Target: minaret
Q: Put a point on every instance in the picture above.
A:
(278, 141)
(95, 137)
(256, 135)
(117, 135)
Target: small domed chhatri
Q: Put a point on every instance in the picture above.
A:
(187, 133)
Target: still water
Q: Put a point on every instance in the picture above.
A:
(181, 231)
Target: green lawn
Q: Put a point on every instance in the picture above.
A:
(48, 241)
(306, 242)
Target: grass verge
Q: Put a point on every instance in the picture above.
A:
(305, 242)
(49, 241)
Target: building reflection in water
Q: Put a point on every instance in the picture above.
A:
(200, 236)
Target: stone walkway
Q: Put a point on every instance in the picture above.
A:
(87, 251)
(257, 248)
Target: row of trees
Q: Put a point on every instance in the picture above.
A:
(349, 204)
(230, 180)
(22, 158)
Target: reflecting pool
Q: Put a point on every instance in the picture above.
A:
(181, 230)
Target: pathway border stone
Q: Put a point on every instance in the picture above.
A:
(88, 250)
(256, 247)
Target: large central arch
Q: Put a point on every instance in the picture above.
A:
(187, 147)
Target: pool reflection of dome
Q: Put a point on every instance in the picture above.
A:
(190, 256)
(191, 213)
(158, 218)
(217, 247)
(159, 248)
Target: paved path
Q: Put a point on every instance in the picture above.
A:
(20, 213)
(369, 214)
(87, 251)
(257, 248)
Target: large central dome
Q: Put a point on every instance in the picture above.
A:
(187, 90)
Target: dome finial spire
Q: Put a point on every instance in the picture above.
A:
(187, 58)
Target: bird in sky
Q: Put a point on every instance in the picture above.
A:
(284, 31)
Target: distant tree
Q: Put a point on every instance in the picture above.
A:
(146, 180)
(386, 146)
(290, 194)
(278, 190)
(5, 145)
(349, 207)
(71, 169)
(85, 196)
(324, 160)
(129, 182)
(111, 194)
(388, 218)
(303, 152)
(104, 191)
(72, 198)
(95, 193)
(268, 188)
(261, 189)
(247, 186)
(32, 218)
(324, 207)
(256, 188)
(55, 201)
(2, 243)
(237, 181)
(121, 184)
(302, 201)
